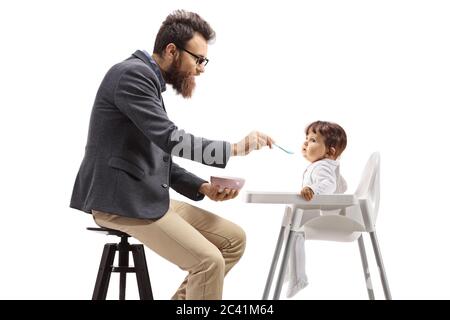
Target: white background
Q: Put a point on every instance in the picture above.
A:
(381, 69)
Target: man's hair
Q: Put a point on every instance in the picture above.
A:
(179, 27)
(333, 134)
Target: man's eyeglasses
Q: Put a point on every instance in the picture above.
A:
(199, 59)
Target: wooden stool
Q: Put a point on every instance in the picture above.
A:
(107, 261)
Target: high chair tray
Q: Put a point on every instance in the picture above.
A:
(329, 202)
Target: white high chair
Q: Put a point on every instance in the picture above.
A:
(337, 217)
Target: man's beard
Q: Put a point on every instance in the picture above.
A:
(183, 82)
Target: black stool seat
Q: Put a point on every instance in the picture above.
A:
(109, 232)
(107, 266)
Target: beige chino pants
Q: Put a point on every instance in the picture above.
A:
(198, 241)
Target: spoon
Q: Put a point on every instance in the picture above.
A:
(287, 151)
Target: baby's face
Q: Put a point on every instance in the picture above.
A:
(314, 148)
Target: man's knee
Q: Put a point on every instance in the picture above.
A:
(214, 261)
(242, 237)
(239, 240)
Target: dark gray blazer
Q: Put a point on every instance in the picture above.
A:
(127, 168)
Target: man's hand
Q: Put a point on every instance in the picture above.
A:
(307, 193)
(253, 141)
(215, 194)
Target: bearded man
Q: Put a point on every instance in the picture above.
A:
(127, 169)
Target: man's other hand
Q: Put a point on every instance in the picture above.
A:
(216, 194)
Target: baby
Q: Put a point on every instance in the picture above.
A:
(325, 142)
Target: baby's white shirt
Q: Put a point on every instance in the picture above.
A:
(323, 177)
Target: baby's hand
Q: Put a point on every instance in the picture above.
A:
(307, 193)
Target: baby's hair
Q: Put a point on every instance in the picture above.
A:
(333, 134)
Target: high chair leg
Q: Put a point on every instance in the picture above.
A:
(365, 265)
(283, 267)
(273, 266)
(376, 250)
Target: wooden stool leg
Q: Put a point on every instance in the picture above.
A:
(142, 277)
(124, 249)
(104, 272)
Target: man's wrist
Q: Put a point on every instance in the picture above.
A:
(203, 188)
(234, 149)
